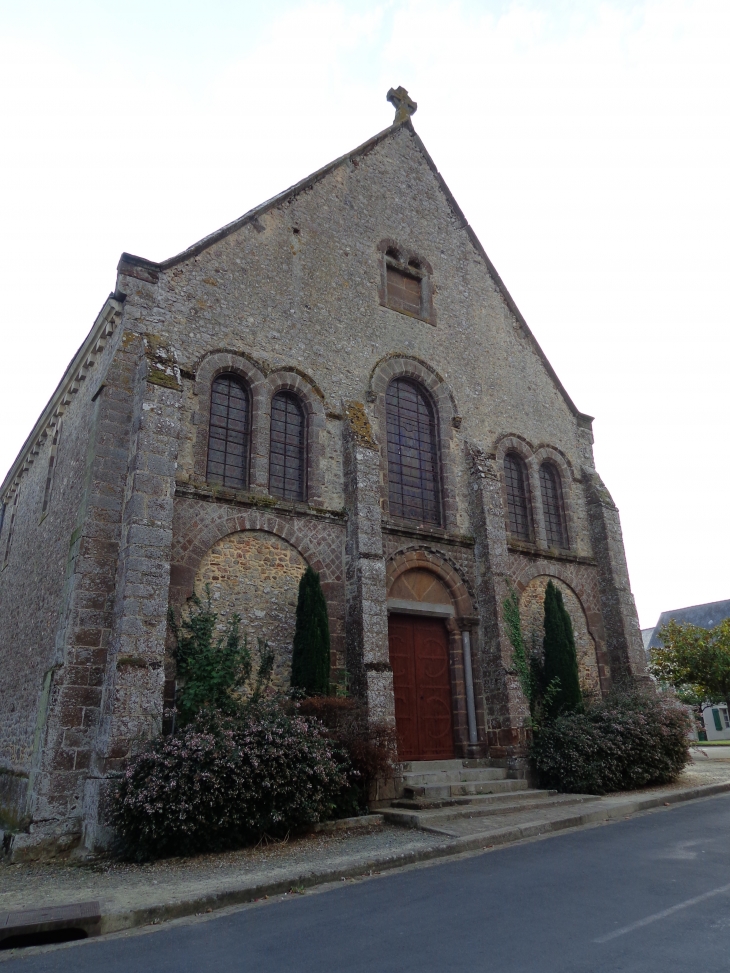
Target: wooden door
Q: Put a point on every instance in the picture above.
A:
(419, 656)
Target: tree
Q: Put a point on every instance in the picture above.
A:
(694, 660)
(560, 667)
(310, 664)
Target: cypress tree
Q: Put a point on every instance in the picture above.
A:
(310, 664)
(561, 662)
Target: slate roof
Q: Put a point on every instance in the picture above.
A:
(706, 616)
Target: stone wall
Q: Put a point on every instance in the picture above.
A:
(532, 615)
(256, 575)
(37, 567)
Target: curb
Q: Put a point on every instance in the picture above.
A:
(129, 919)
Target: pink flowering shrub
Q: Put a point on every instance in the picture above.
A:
(223, 782)
(627, 741)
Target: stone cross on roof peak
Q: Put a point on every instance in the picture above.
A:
(404, 105)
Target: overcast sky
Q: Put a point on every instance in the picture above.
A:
(587, 143)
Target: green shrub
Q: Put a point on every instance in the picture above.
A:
(366, 750)
(560, 684)
(215, 673)
(310, 664)
(223, 782)
(629, 740)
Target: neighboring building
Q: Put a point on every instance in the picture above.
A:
(704, 616)
(717, 721)
(339, 378)
(715, 717)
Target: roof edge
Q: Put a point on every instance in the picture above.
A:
(262, 208)
(143, 263)
(581, 416)
(75, 373)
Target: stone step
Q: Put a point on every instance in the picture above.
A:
(458, 776)
(435, 791)
(424, 766)
(475, 801)
(446, 820)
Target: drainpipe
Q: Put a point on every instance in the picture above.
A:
(469, 686)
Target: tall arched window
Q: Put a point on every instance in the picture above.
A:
(552, 506)
(413, 471)
(228, 433)
(518, 515)
(288, 449)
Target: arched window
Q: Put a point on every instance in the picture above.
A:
(413, 473)
(228, 433)
(552, 506)
(288, 450)
(518, 515)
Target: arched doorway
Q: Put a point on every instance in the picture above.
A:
(419, 657)
(418, 641)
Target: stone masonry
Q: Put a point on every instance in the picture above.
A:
(109, 517)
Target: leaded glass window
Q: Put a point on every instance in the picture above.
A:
(287, 451)
(515, 477)
(552, 506)
(413, 471)
(228, 438)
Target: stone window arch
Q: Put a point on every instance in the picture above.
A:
(311, 402)
(517, 488)
(414, 491)
(251, 374)
(229, 432)
(446, 420)
(406, 284)
(553, 509)
(288, 447)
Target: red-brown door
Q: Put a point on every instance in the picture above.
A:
(419, 656)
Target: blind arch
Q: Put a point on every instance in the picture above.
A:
(552, 506)
(518, 497)
(413, 462)
(229, 433)
(287, 447)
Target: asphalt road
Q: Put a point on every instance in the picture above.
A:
(650, 893)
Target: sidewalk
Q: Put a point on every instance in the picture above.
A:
(134, 895)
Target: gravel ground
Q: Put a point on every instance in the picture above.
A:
(122, 885)
(56, 882)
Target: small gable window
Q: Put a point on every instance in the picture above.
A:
(288, 448)
(515, 478)
(406, 283)
(552, 506)
(228, 438)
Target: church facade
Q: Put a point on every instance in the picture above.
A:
(337, 379)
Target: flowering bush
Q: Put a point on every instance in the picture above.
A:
(628, 740)
(223, 782)
(367, 750)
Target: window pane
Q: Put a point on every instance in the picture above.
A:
(287, 455)
(552, 506)
(228, 433)
(515, 476)
(413, 487)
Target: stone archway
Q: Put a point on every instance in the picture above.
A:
(532, 613)
(256, 574)
(431, 625)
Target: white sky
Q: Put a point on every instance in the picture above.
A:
(588, 144)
